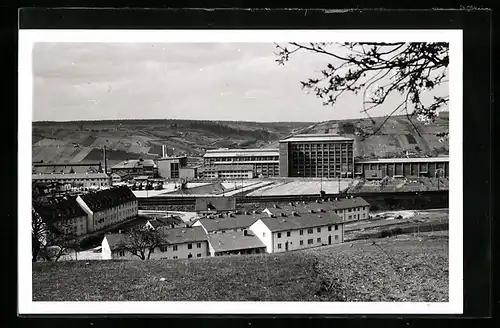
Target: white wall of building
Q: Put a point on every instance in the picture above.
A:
(354, 214)
(294, 239)
(260, 230)
(102, 219)
(198, 249)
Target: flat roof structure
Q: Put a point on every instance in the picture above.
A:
(403, 160)
(223, 152)
(316, 138)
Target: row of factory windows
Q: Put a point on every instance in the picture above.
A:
(244, 159)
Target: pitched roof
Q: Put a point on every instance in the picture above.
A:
(134, 163)
(215, 204)
(344, 203)
(104, 199)
(61, 176)
(115, 240)
(165, 221)
(303, 221)
(237, 222)
(182, 235)
(326, 206)
(60, 211)
(233, 241)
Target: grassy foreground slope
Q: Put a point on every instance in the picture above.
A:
(403, 268)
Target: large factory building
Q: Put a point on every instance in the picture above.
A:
(316, 155)
(374, 169)
(265, 162)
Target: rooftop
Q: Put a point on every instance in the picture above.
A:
(135, 163)
(233, 241)
(105, 199)
(326, 206)
(303, 221)
(404, 160)
(316, 138)
(165, 221)
(236, 222)
(241, 152)
(182, 235)
(51, 176)
(64, 210)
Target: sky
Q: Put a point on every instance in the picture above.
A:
(199, 81)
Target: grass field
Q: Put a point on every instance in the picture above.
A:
(404, 268)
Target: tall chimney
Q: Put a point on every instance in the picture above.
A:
(105, 161)
(163, 151)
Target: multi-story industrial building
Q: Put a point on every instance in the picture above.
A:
(316, 155)
(265, 162)
(402, 167)
(226, 172)
(170, 167)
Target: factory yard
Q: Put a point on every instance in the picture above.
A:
(403, 268)
(298, 187)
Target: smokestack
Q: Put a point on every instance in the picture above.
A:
(105, 161)
(163, 151)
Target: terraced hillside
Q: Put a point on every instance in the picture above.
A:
(395, 138)
(83, 141)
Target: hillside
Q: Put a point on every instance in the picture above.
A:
(403, 268)
(394, 139)
(126, 139)
(82, 141)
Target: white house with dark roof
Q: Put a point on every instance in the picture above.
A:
(178, 243)
(226, 223)
(349, 209)
(235, 243)
(298, 231)
(108, 207)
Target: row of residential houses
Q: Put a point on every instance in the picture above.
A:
(222, 230)
(264, 235)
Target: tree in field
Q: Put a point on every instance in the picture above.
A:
(378, 70)
(141, 242)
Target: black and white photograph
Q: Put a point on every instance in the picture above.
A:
(307, 168)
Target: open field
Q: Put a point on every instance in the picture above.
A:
(403, 268)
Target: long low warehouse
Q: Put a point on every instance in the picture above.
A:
(402, 167)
